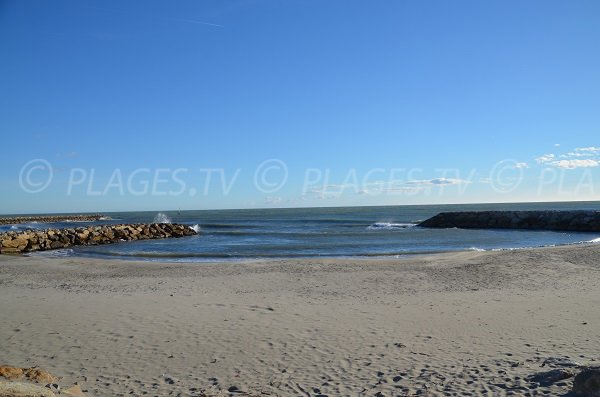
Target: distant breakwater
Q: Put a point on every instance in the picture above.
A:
(576, 221)
(52, 218)
(13, 242)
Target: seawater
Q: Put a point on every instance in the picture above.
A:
(318, 232)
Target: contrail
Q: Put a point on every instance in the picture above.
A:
(200, 22)
(216, 25)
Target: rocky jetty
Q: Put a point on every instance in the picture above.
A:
(51, 218)
(42, 240)
(576, 221)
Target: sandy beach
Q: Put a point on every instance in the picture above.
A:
(467, 323)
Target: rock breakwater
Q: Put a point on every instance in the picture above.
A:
(52, 218)
(577, 221)
(42, 240)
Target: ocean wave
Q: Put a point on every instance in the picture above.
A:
(592, 241)
(195, 256)
(296, 234)
(229, 225)
(476, 249)
(59, 253)
(28, 226)
(389, 226)
(196, 228)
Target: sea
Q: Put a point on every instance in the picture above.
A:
(381, 231)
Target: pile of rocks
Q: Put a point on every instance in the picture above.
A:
(33, 382)
(586, 379)
(42, 240)
(51, 218)
(580, 221)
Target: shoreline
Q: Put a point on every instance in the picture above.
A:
(223, 260)
(463, 322)
(428, 256)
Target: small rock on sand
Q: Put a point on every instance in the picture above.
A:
(32, 374)
(36, 375)
(73, 391)
(555, 362)
(552, 376)
(17, 389)
(587, 382)
(11, 373)
(39, 375)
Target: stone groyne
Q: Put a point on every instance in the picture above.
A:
(576, 221)
(51, 218)
(42, 240)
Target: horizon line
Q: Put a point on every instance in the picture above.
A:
(312, 207)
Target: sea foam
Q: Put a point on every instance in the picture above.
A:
(389, 226)
(161, 218)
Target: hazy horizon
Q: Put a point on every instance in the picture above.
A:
(172, 210)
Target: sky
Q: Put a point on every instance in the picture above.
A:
(157, 105)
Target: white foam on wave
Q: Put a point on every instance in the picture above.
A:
(596, 240)
(105, 218)
(196, 228)
(54, 253)
(161, 218)
(28, 225)
(389, 226)
(476, 249)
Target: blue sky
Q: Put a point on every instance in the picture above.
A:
(357, 103)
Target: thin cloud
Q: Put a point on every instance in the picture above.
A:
(437, 182)
(323, 189)
(546, 158)
(273, 200)
(591, 149)
(575, 163)
(581, 157)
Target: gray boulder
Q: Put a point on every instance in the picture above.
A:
(587, 382)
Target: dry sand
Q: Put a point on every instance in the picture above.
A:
(470, 323)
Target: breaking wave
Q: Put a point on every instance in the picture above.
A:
(389, 226)
(476, 249)
(59, 253)
(161, 218)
